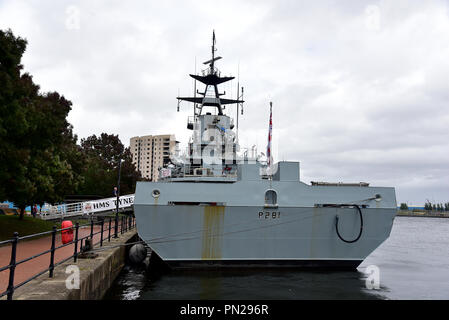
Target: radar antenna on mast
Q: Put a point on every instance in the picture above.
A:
(211, 97)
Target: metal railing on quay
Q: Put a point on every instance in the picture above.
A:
(125, 223)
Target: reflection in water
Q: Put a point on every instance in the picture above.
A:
(413, 264)
(137, 283)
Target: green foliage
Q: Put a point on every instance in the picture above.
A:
(403, 206)
(40, 160)
(37, 146)
(103, 154)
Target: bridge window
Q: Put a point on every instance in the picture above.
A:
(271, 198)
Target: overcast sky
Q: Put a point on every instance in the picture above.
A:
(360, 88)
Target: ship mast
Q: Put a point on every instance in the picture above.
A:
(211, 78)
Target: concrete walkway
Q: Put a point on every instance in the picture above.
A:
(28, 248)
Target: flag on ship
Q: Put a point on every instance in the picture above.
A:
(269, 156)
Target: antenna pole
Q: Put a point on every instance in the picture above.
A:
(179, 101)
(213, 52)
(238, 112)
(194, 94)
(238, 96)
(242, 99)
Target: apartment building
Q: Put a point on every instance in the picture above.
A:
(151, 152)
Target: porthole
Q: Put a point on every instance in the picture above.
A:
(156, 193)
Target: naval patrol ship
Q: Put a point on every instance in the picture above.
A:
(215, 206)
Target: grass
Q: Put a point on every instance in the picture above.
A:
(27, 226)
(30, 225)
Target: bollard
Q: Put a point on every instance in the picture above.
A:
(12, 264)
(52, 255)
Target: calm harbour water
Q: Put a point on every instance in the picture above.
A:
(413, 264)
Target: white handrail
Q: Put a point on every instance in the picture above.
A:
(88, 207)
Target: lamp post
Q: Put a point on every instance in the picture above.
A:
(118, 195)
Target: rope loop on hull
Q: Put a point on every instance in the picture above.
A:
(361, 227)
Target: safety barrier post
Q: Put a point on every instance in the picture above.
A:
(75, 253)
(109, 234)
(52, 255)
(116, 225)
(12, 264)
(101, 239)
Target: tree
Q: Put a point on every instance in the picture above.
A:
(103, 154)
(403, 206)
(36, 141)
(16, 95)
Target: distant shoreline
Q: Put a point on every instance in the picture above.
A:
(407, 213)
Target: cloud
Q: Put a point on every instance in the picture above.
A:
(359, 88)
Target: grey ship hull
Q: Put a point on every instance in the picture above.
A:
(202, 236)
(187, 230)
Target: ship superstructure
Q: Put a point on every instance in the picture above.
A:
(212, 151)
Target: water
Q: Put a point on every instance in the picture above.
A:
(413, 264)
